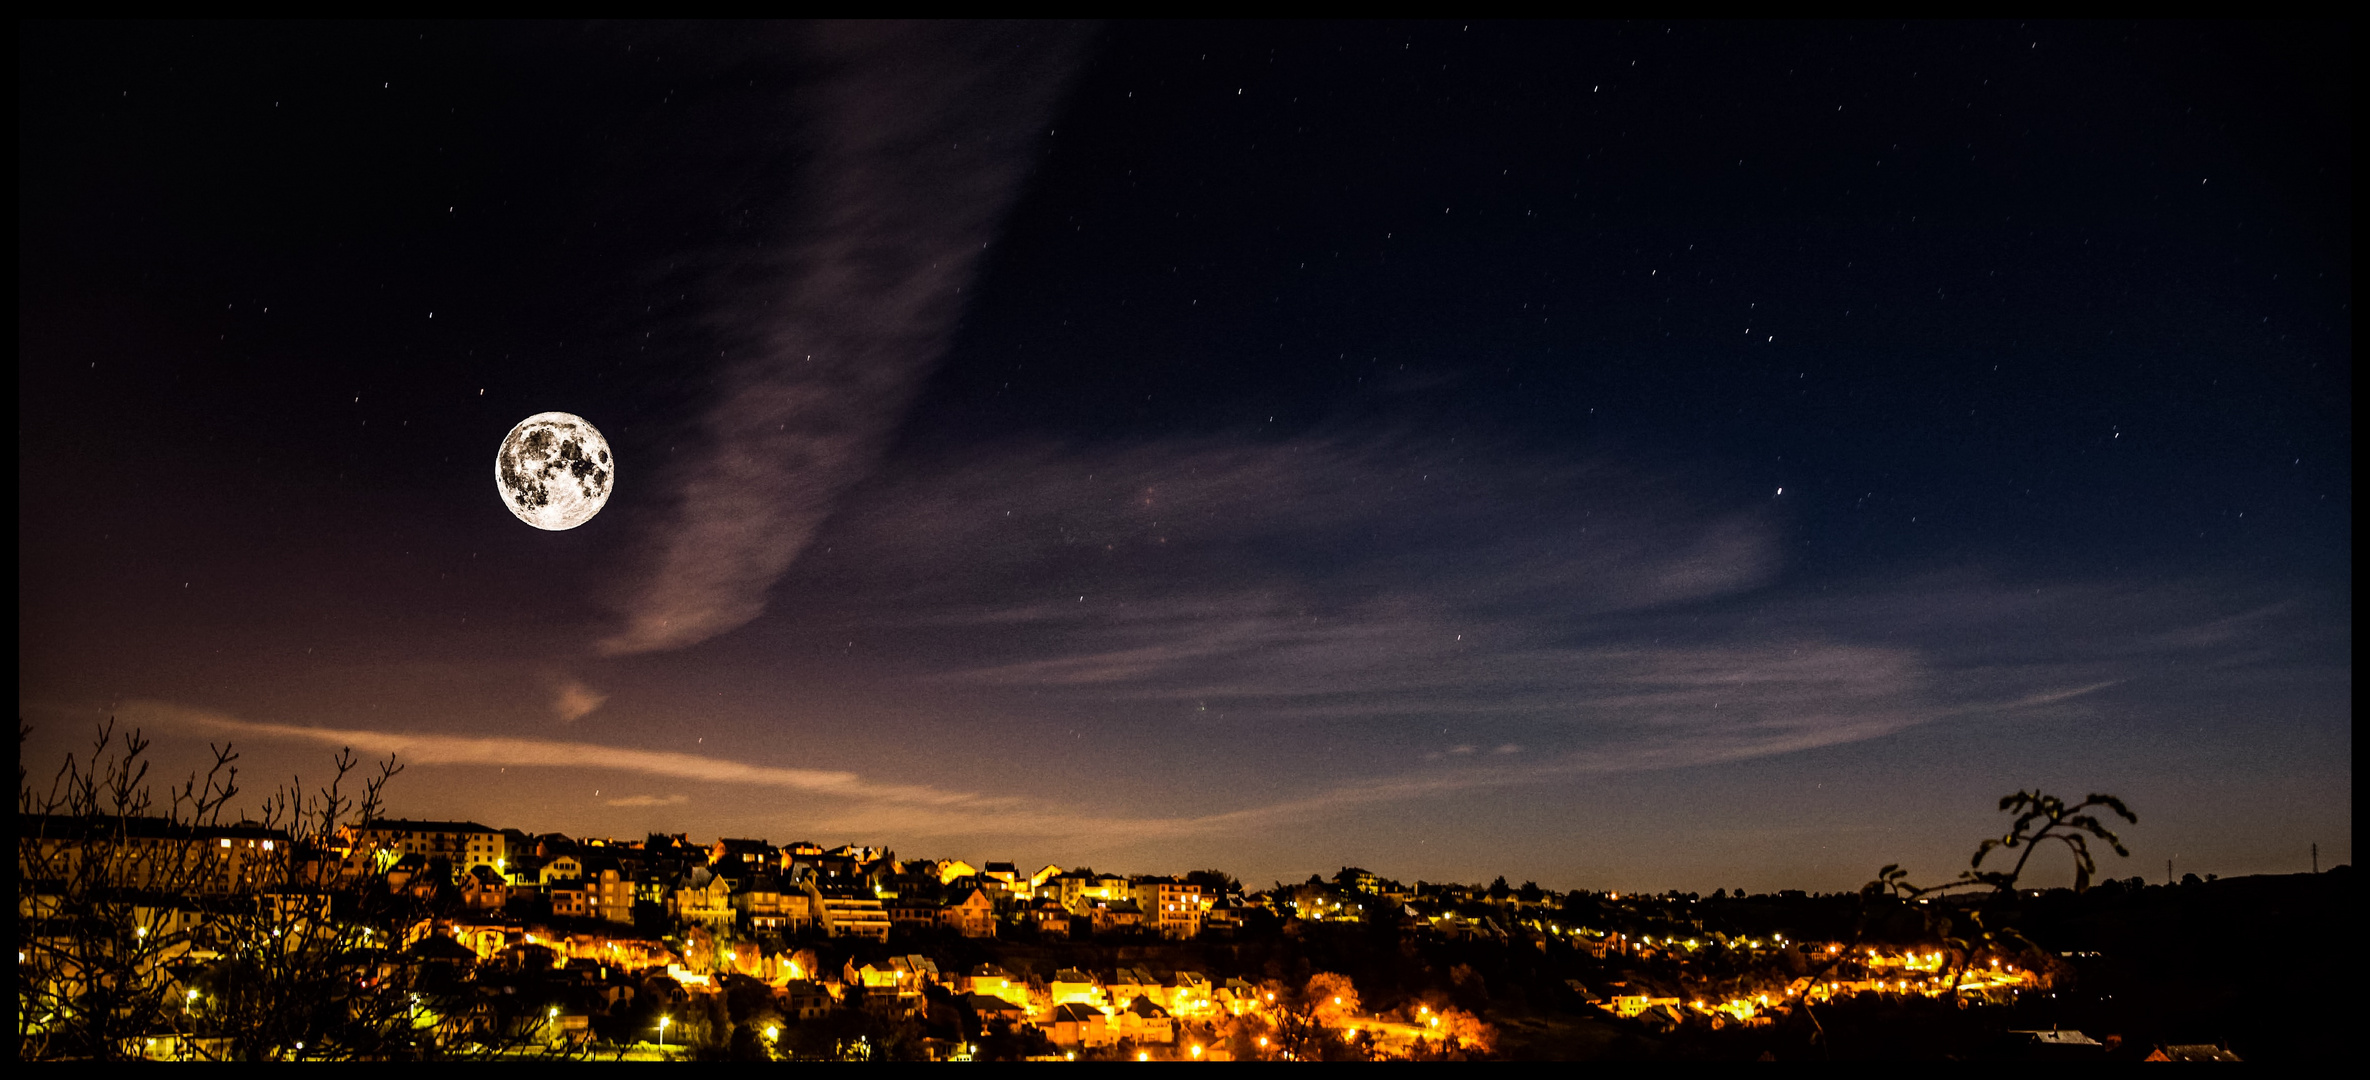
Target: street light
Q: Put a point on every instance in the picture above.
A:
(663, 1021)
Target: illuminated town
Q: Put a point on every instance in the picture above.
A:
(509, 944)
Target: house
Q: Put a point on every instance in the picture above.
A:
(2191, 1052)
(847, 912)
(1634, 1005)
(1080, 889)
(913, 912)
(1071, 986)
(950, 869)
(916, 879)
(1171, 906)
(973, 916)
(653, 882)
(523, 872)
(1236, 996)
(1189, 992)
(609, 890)
(921, 969)
(762, 904)
(992, 981)
(835, 871)
(901, 975)
(549, 845)
(2056, 1044)
(572, 900)
(1078, 1025)
(1316, 900)
(701, 897)
(989, 1008)
(856, 866)
(437, 950)
(412, 876)
(1050, 918)
(1145, 1022)
(1007, 877)
(1116, 916)
(803, 860)
(1128, 984)
(736, 858)
(463, 843)
(1224, 917)
(804, 999)
(874, 975)
(484, 890)
(560, 868)
(892, 987)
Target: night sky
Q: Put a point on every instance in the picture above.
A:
(1628, 456)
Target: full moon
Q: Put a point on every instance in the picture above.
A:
(554, 471)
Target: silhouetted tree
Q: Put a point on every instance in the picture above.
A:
(2040, 818)
(164, 927)
(1216, 882)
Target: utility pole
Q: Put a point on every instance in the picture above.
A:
(2168, 879)
(2316, 858)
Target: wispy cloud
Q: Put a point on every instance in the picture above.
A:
(1322, 521)
(921, 135)
(1647, 710)
(857, 804)
(1598, 618)
(440, 749)
(572, 700)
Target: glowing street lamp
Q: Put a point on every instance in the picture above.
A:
(663, 1021)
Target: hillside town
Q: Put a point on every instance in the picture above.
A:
(662, 947)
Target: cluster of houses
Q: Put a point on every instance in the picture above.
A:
(1076, 1009)
(620, 919)
(757, 886)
